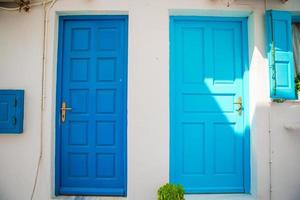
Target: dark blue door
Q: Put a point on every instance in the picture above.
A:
(91, 106)
(209, 104)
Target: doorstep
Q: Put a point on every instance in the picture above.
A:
(87, 198)
(219, 197)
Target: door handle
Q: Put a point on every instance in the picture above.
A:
(239, 102)
(63, 110)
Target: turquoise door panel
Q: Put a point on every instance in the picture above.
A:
(209, 140)
(92, 81)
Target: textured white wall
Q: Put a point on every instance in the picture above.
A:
(148, 97)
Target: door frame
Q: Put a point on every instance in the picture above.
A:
(296, 18)
(172, 94)
(58, 93)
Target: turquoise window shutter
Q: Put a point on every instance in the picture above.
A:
(280, 54)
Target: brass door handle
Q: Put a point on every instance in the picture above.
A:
(239, 102)
(63, 110)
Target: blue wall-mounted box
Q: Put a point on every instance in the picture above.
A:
(11, 111)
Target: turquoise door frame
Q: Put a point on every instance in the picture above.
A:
(295, 18)
(197, 175)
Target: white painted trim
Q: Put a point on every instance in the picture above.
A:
(209, 12)
(52, 54)
(92, 12)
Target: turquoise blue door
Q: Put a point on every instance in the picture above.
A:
(91, 106)
(209, 137)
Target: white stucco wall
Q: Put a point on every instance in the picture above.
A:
(21, 37)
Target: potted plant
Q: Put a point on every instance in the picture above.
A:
(297, 84)
(170, 192)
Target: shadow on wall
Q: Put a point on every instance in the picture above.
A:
(285, 144)
(256, 35)
(285, 148)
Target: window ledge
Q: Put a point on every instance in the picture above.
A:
(219, 197)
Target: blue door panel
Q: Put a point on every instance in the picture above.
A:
(207, 133)
(92, 81)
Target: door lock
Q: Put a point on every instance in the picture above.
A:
(239, 102)
(63, 110)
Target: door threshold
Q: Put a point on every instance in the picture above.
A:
(88, 198)
(219, 197)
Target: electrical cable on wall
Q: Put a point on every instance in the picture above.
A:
(45, 36)
(26, 6)
(269, 114)
(273, 56)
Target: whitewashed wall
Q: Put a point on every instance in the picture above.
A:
(21, 37)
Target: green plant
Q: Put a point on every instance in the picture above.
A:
(278, 100)
(297, 82)
(170, 192)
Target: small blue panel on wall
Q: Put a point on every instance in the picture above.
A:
(11, 111)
